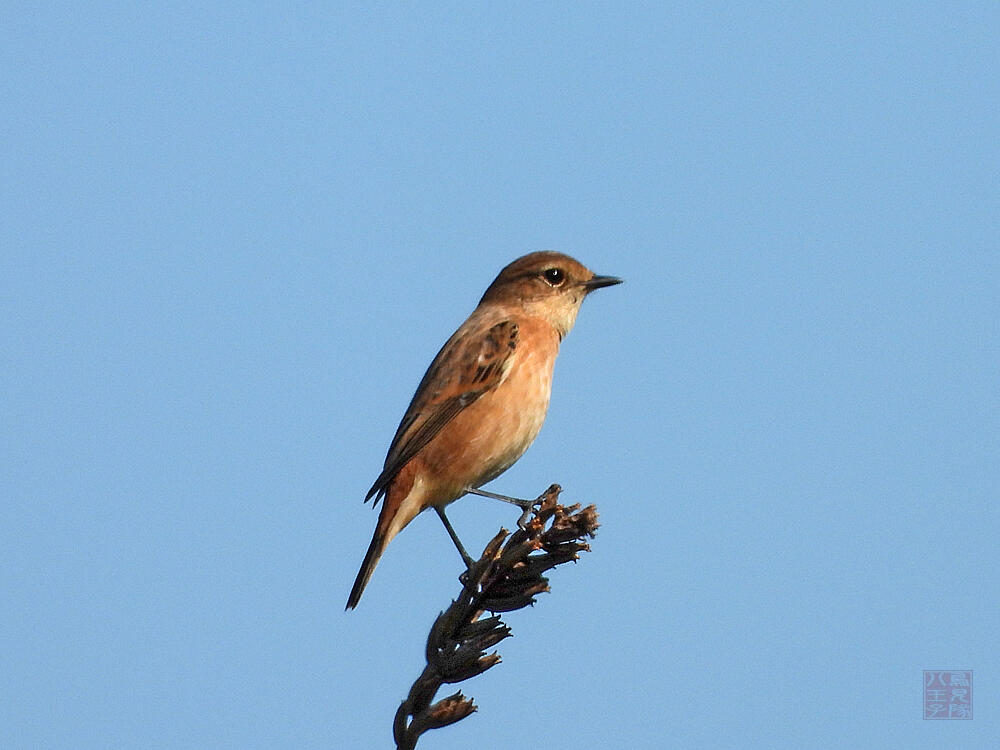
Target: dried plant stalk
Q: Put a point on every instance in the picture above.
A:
(506, 577)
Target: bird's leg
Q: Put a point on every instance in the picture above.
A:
(527, 506)
(454, 537)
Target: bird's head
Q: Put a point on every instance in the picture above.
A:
(548, 285)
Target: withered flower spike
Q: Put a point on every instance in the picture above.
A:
(479, 626)
(473, 668)
(488, 640)
(506, 577)
(515, 601)
(449, 710)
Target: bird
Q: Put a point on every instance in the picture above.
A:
(483, 399)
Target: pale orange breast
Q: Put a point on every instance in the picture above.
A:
(487, 437)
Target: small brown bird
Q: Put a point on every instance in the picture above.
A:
(483, 399)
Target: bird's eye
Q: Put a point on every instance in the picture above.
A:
(554, 276)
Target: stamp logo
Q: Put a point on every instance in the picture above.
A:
(947, 693)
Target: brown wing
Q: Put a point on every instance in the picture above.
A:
(465, 369)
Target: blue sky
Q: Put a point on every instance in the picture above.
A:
(233, 237)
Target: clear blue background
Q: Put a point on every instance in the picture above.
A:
(233, 237)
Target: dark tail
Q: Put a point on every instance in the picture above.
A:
(375, 550)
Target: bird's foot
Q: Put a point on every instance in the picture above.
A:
(529, 507)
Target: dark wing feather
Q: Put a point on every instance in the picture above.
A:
(467, 367)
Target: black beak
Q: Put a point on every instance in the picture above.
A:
(596, 282)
